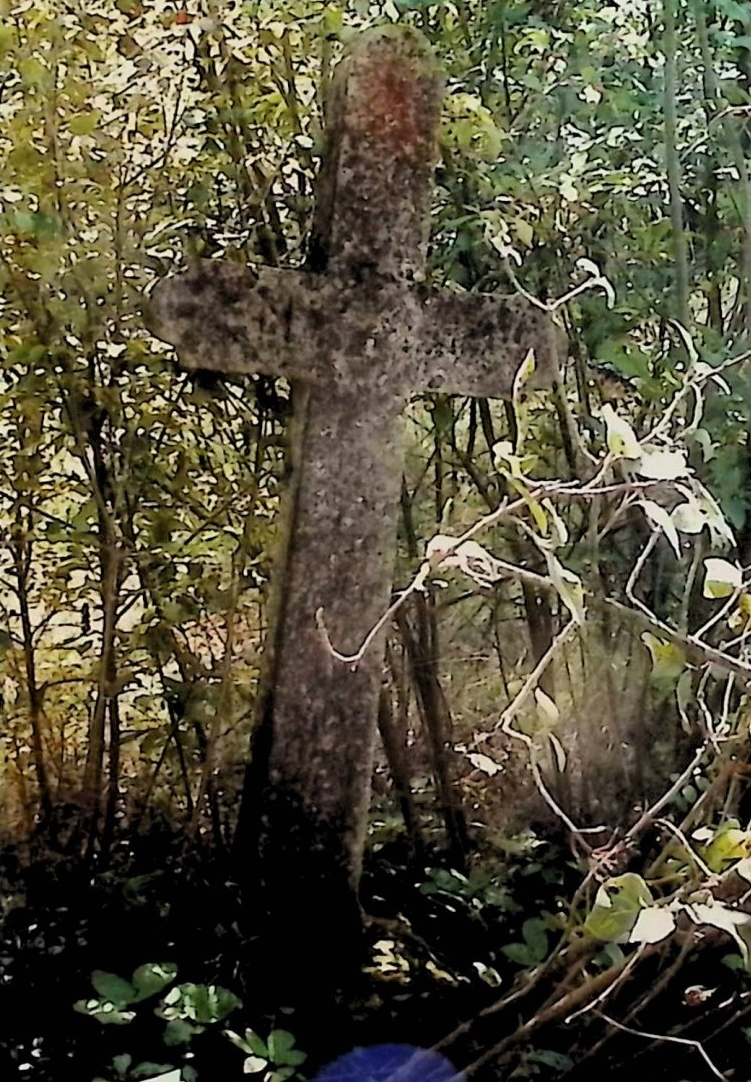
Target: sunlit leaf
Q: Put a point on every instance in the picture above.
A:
(621, 438)
(721, 578)
(558, 531)
(521, 379)
(660, 517)
(104, 1011)
(688, 517)
(546, 708)
(597, 279)
(663, 465)
(727, 845)
(485, 764)
(735, 922)
(558, 751)
(719, 531)
(569, 587)
(653, 924)
(524, 231)
(708, 447)
(254, 1064)
(469, 556)
(668, 660)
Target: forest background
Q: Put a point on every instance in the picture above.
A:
(594, 154)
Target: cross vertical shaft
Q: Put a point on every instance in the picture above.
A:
(356, 333)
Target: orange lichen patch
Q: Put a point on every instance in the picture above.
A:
(391, 106)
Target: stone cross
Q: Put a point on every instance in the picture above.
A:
(356, 332)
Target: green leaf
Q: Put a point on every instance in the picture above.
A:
(104, 1012)
(281, 1048)
(7, 39)
(152, 977)
(557, 1060)
(519, 953)
(708, 447)
(129, 7)
(202, 1003)
(279, 1042)
(32, 71)
(114, 988)
(178, 1031)
(610, 955)
(684, 692)
(122, 1063)
(150, 1070)
(617, 905)
(84, 123)
(251, 1042)
(524, 231)
(416, 5)
(128, 46)
(734, 9)
(728, 845)
(535, 935)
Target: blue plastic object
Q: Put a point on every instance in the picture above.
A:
(390, 1063)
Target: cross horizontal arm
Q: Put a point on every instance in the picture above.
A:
(474, 344)
(225, 317)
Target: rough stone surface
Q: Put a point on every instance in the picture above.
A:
(357, 332)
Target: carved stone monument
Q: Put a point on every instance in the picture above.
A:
(357, 331)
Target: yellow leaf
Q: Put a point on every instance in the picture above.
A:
(668, 660)
(524, 232)
(84, 123)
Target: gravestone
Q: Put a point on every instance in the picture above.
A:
(357, 331)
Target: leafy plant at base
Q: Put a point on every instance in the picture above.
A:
(190, 1007)
(277, 1056)
(124, 1070)
(477, 890)
(117, 994)
(187, 1008)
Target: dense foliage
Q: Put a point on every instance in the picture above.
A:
(576, 658)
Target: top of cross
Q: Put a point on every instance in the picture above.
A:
(375, 185)
(363, 319)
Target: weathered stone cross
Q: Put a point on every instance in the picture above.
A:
(356, 332)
